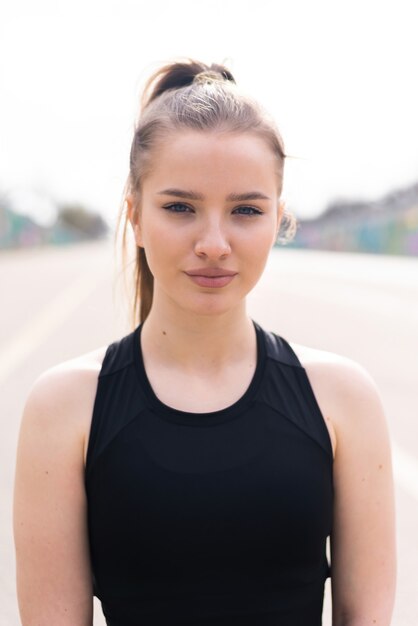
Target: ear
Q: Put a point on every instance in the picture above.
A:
(280, 210)
(133, 216)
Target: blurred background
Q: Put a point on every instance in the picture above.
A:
(339, 79)
(337, 76)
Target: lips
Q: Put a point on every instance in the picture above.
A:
(210, 272)
(211, 277)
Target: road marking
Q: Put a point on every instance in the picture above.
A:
(19, 347)
(405, 469)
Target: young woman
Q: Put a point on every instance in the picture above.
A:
(191, 472)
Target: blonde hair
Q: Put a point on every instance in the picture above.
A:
(189, 94)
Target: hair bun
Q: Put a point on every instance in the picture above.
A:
(215, 72)
(181, 74)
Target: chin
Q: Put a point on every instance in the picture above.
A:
(211, 306)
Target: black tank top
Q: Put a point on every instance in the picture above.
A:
(216, 518)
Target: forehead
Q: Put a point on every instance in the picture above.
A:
(206, 158)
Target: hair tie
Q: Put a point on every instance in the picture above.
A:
(207, 76)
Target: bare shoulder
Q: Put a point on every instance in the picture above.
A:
(58, 384)
(80, 366)
(363, 538)
(345, 391)
(61, 399)
(49, 495)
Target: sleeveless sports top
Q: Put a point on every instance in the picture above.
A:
(216, 518)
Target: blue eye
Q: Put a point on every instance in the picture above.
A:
(247, 210)
(178, 207)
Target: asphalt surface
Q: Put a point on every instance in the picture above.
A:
(57, 303)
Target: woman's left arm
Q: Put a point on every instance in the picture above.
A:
(363, 543)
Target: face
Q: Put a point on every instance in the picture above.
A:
(206, 246)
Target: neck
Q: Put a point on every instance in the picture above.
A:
(197, 341)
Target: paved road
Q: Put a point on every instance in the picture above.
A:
(57, 303)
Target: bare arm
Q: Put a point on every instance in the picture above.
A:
(363, 550)
(53, 570)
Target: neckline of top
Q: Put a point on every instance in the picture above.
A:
(199, 419)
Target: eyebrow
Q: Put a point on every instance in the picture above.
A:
(232, 197)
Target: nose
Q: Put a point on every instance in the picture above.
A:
(212, 242)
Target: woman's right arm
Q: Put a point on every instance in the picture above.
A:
(54, 582)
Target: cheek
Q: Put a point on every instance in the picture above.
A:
(257, 242)
(162, 246)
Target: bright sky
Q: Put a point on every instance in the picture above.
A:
(338, 76)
